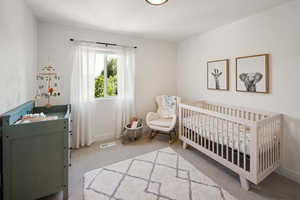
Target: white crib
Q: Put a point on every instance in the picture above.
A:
(245, 140)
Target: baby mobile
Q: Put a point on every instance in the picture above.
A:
(48, 83)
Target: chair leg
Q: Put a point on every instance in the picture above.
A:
(172, 139)
(151, 134)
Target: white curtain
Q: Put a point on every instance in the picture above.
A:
(82, 95)
(83, 86)
(126, 89)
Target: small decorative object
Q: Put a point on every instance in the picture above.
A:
(218, 75)
(48, 82)
(132, 129)
(252, 73)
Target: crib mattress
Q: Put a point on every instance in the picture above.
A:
(232, 140)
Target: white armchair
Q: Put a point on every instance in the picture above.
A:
(164, 120)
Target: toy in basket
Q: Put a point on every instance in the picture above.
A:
(132, 129)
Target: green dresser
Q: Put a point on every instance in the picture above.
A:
(36, 155)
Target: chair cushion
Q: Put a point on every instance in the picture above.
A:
(166, 105)
(163, 122)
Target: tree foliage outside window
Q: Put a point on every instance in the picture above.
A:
(111, 80)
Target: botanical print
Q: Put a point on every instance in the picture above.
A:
(252, 73)
(217, 75)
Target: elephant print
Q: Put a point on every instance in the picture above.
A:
(250, 80)
(216, 74)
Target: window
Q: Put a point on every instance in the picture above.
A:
(106, 80)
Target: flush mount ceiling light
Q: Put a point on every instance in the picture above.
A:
(156, 2)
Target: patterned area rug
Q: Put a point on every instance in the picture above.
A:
(159, 175)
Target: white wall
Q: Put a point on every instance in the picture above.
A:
(17, 54)
(155, 67)
(276, 32)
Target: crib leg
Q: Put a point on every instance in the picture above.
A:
(184, 145)
(244, 183)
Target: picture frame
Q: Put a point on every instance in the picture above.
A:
(218, 75)
(252, 73)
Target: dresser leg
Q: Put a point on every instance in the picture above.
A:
(66, 193)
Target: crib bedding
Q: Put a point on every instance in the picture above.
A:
(231, 140)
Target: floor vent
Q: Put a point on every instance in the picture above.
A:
(107, 145)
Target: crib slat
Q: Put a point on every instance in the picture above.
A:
(213, 134)
(218, 137)
(205, 130)
(275, 137)
(193, 126)
(209, 138)
(187, 124)
(275, 142)
(183, 118)
(245, 142)
(238, 140)
(232, 143)
(183, 121)
(227, 140)
(268, 145)
(263, 147)
(260, 148)
(202, 130)
(196, 127)
(272, 144)
(222, 136)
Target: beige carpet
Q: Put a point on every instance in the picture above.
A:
(161, 174)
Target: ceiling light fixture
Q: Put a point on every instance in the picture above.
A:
(156, 2)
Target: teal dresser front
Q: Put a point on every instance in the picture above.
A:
(35, 155)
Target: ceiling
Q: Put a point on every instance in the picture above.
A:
(174, 21)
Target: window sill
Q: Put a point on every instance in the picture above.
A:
(106, 99)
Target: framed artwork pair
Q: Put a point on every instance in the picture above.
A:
(252, 74)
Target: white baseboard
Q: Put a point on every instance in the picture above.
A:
(290, 174)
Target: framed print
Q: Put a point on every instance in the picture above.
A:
(218, 75)
(252, 73)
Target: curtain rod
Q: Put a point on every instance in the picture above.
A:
(103, 43)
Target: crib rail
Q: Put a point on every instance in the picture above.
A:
(235, 111)
(249, 144)
(268, 141)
